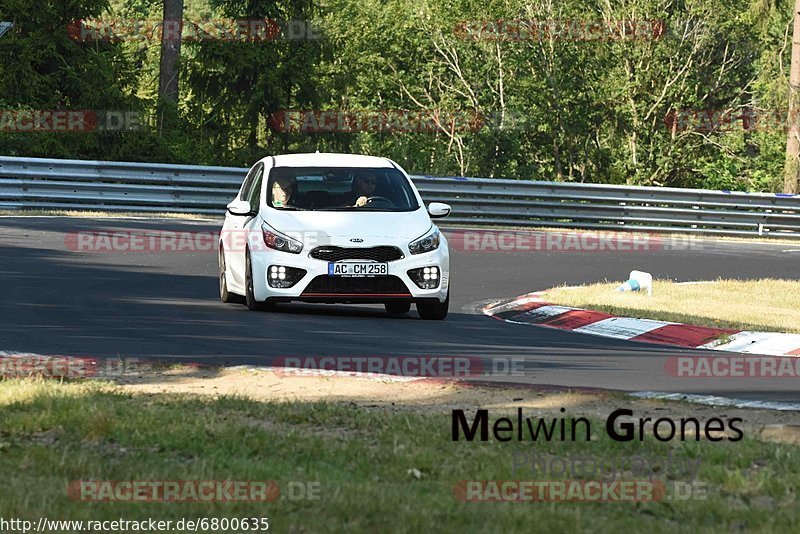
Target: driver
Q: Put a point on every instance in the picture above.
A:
(364, 186)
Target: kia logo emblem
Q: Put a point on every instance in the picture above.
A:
(356, 240)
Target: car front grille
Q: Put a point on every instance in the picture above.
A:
(379, 254)
(343, 285)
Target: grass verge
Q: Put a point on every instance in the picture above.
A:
(378, 470)
(762, 305)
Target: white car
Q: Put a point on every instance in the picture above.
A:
(334, 228)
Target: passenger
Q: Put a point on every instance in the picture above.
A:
(282, 189)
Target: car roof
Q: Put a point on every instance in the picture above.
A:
(330, 160)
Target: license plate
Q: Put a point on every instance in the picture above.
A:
(358, 269)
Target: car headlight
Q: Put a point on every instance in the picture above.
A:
(280, 242)
(426, 243)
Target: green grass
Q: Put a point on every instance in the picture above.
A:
(51, 434)
(763, 305)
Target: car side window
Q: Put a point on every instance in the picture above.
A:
(248, 181)
(255, 190)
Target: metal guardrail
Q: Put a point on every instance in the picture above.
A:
(27, 183)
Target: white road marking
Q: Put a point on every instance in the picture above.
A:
(621, 327)
(766, 343)
(713, 400)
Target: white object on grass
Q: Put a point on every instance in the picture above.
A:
(638, 281)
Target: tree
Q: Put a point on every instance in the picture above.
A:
(48, 64)
(792, 170)
(236, 83)
(170, 57)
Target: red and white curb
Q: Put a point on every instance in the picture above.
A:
(533, 309)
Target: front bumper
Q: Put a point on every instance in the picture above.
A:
(317, 286)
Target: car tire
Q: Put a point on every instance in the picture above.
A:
(225, 295)
(250, 298)
(434, 310)
(397, 308)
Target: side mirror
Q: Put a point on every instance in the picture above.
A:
(240, 207)
(437, 210)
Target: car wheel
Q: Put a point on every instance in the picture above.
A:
(225, 295)
(397, 308)
(434, 310)
(250, 297)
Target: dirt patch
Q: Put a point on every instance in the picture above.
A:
(437, 397)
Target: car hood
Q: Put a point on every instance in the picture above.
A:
(336, 225)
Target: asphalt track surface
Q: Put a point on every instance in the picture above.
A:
(165, 305)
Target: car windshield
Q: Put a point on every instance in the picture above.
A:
(339, 189)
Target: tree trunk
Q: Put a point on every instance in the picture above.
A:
(170, 56)
(792, 169)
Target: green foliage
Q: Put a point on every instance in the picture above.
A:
(554, 106)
